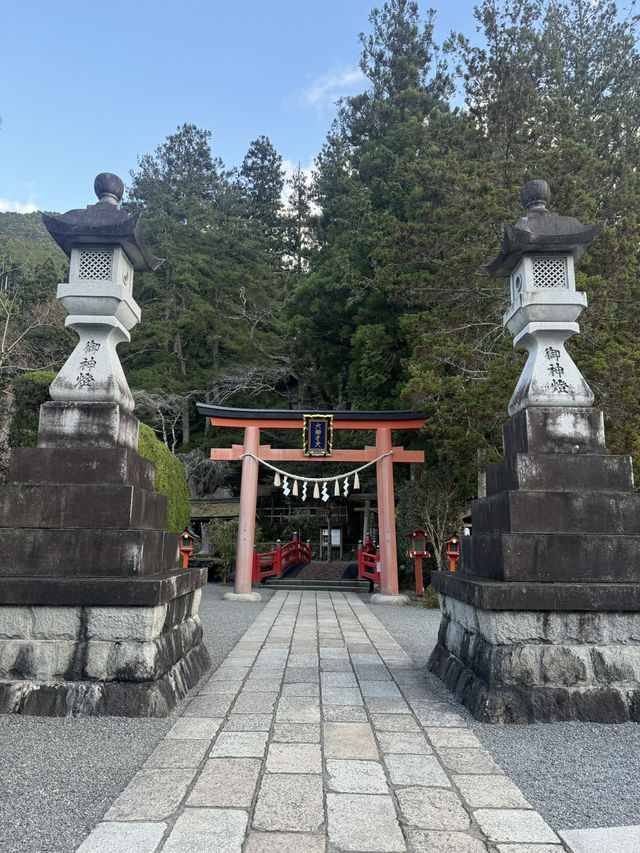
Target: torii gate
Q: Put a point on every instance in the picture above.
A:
(382, 453)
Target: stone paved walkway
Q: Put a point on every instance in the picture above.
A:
(318, 734)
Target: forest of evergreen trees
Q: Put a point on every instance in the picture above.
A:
(364, 289)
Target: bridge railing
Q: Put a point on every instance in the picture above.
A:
(272, 563)
(369, 561)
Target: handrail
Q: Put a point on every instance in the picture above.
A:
(369, 562)
(273, 563)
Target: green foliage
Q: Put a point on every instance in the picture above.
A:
(224, 541)
(30, 391)
(170, 479)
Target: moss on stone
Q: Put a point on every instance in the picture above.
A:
(170, 478)
(30, 391)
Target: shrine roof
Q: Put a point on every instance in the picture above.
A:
(293, 418)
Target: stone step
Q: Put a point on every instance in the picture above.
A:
(115, 465)
(587, 512)
(560, 473)
(551, 557)
(319, 585)
(81, 506)
(86, 553)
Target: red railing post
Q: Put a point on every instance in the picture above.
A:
(277, 559)
(418, 572)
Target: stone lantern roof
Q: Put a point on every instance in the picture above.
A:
(103, 223)
(540, 231)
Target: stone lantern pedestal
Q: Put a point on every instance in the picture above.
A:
(542, 623)
(95, 615)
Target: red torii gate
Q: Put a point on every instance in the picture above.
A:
(383, 453)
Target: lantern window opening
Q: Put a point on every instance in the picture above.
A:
(95, 264)
(549, 271)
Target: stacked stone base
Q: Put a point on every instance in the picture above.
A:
(95, 615)
(122, 661)
(542, 623)
(525, 667)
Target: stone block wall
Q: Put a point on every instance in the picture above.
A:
(524, 667)
(47, 653)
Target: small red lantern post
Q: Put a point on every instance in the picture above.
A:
(186, 548)
(418, 550)
(453, 550)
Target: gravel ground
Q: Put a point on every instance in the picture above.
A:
(59, 776)
(576, 775)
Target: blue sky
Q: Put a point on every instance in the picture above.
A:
(89, 86)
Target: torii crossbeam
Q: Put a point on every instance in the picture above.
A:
(383, 453)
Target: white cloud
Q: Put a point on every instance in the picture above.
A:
(7, 206)
(289, 168)
(323, 92)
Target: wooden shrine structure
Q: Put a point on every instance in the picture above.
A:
(251, 453)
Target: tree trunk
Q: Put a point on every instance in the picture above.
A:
(6, 406)
(186, 431)
(205, 535)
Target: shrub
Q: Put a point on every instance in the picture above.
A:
(170, 479)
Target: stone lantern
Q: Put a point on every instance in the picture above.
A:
(96, 616)
(537, 257)
(540, 622)
(105, 246)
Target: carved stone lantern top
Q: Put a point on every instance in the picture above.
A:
(105, 247)
(540, 232)
(103, 223)
(537, 256)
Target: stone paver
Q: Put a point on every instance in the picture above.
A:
(515, 825)
(621, 839)
(410, 742)
(240, 745)
(363, 777)
(490, 791)
(349, 740)
(226, 783)
(452, 738)
(364, 822)
(416, 770)
(468, 761)
(318, 733)
(432, 808)
(423, 841)
(285, 842)
(152, 795)
(204, 830)
(294, 758)
(541, 848)
(194, 728)
(177, 753)
(287, 802)
(296, 733)
(123, 838)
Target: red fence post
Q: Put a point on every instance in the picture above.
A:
(418, 570)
